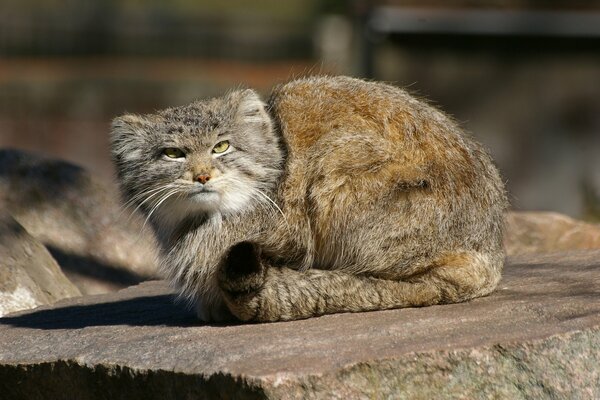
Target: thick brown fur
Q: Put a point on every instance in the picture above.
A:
(380, 202)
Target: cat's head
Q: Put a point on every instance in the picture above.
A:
(212, 156)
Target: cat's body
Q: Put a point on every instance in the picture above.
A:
(341, 195)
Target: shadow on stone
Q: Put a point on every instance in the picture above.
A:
(74, 264)
(141, 311)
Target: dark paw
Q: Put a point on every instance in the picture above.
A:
(241, 272)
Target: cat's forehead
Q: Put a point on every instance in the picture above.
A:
(200, 115)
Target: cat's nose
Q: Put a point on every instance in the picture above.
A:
(202, 178)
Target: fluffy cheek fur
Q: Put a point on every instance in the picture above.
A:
(161, 190)
(230, 193)
(237, 192)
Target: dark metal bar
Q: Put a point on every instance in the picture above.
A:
(485, 22)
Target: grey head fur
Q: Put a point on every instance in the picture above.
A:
(167, 189)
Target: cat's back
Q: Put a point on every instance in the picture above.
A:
(366, 154)
(371, 124)
(309, 108)
(314, 110)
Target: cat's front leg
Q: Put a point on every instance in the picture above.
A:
(213, 310)
(254, 291)
(241, 278)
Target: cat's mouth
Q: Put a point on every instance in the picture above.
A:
(204, 194)
(202, 189)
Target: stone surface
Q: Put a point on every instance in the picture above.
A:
(544, 232)
(100, 246)
(29, 276)
(537, 336)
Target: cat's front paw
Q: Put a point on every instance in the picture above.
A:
(213, 311)
(241, 278)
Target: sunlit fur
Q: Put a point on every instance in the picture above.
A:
(355, 195)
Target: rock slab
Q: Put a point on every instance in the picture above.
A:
(537, 336)
(530, 232)
(99, 245)
(29, 276)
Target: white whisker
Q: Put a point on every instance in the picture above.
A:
(272, 202)
(261, 198)
(148, 199)
(142, 194)
(158, 203)
(138, 197)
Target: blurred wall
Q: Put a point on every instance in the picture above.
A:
(68, 67)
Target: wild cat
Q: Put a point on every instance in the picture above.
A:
(337, 195)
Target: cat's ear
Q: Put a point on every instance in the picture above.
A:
(127, 124)
(127, 127)
(250, 107)
(125, 132)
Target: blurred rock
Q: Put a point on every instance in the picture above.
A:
(544, 232)
(100, 246)
(29, 276)
(536, 337)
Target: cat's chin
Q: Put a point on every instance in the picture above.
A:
(202, 203)
(205, 200)
(205, 203)
(193, 205)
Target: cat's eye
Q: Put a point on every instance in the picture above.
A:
(173, 152)
(221, 147)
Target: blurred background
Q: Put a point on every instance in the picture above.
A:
(522, 76)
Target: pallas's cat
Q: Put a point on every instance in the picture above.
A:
(337, 195)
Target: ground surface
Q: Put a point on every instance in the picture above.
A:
(537, 336)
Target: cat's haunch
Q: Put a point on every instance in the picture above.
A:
(338, 195)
